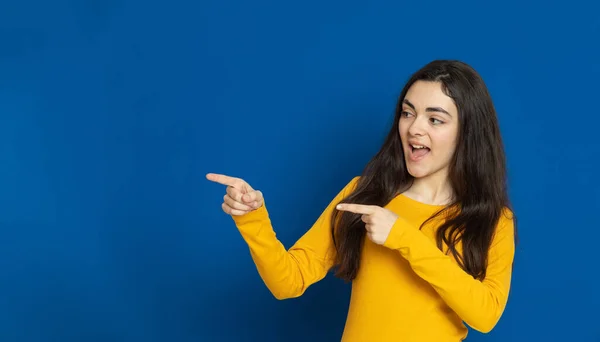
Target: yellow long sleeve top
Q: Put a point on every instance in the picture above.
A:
(406, 289)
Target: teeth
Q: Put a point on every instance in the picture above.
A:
(418, 146)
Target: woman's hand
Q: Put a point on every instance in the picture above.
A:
(378, 221)
(240, 198)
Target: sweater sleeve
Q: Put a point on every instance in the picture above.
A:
(480, 304)
(288, 273)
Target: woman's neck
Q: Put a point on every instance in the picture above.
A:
(430, 191)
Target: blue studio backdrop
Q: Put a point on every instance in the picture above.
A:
(112, 112)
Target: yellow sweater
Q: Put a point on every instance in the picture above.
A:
(406, 289)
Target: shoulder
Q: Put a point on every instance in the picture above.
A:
(505, 229)
(506, 221)
(351, 185)
(348, 188)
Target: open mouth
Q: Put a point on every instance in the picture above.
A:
(418, 152)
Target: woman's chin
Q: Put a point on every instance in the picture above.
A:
(417, 172)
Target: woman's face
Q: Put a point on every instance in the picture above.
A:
(428, 129)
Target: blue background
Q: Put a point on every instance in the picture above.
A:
(112, 112)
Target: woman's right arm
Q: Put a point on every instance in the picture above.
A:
(288, 273)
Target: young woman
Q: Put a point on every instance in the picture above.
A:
(425, 233)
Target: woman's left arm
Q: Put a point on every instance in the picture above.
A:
(480, 304)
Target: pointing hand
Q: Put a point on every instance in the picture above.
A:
(240, 197)
(378, 221)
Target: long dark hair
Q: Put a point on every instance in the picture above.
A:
(477, 174)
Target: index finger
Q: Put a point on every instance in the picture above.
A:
(223, 179)
(356, 208)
